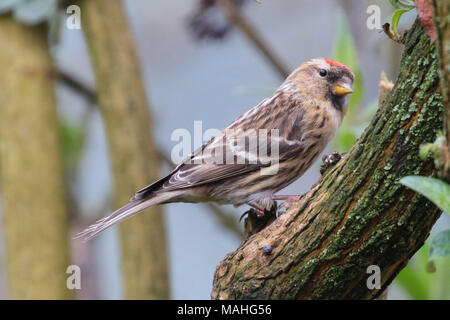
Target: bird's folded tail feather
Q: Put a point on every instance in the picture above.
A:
(121, 214)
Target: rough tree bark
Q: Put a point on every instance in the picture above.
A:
(358, 214)
(442, 22)
(34, 209)
(134, 159)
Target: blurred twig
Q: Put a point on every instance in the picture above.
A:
(240, 21)
(226, 219)
(387, 30)
(77, 86)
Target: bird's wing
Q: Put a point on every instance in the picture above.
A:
(202, 166)
(218, 159)
(240, 148)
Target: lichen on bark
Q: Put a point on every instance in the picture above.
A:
(358, 214)
(442, 23)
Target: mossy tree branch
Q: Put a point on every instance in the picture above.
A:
(358, 214)
(442, 22)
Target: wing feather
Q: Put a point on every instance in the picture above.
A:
(232, 152)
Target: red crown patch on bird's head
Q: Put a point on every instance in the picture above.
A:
(337, 64)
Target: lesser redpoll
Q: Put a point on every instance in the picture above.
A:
(261, 152)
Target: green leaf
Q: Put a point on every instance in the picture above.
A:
(440, 245)
(396, 19)
(395, 4)
(402, 4)
(434, 189)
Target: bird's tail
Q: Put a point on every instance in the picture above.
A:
(127, 211)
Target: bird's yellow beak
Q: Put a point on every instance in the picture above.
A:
(342, 89)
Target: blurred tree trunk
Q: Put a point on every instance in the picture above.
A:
(442, 21)
(133, 155)
(34, 209)
(358, 215)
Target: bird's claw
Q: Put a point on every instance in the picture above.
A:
(286, 205)
(256, 220)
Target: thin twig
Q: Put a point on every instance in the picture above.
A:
(77, 86)
(240, 21)
(388, 32)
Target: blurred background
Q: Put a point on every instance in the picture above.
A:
(197, 64)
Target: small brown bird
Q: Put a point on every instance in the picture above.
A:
(261, 152)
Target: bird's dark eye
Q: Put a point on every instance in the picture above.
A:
(323, 72)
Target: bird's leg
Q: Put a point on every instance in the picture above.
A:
(288, 200)
(258, 209)
(257, 218)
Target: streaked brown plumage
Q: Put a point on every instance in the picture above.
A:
(306, 110)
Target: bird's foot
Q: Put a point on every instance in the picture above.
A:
(329, 161)
(258, 209)
(288, 202)
(257, 218)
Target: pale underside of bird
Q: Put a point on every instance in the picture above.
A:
(260, 153)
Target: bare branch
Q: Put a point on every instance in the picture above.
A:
(239, 20)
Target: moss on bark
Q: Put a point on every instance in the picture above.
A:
(358, 214)
(442, 23)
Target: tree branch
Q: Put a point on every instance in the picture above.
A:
(239, 20)
(33, 193)
(442, 22)
(358, 214)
